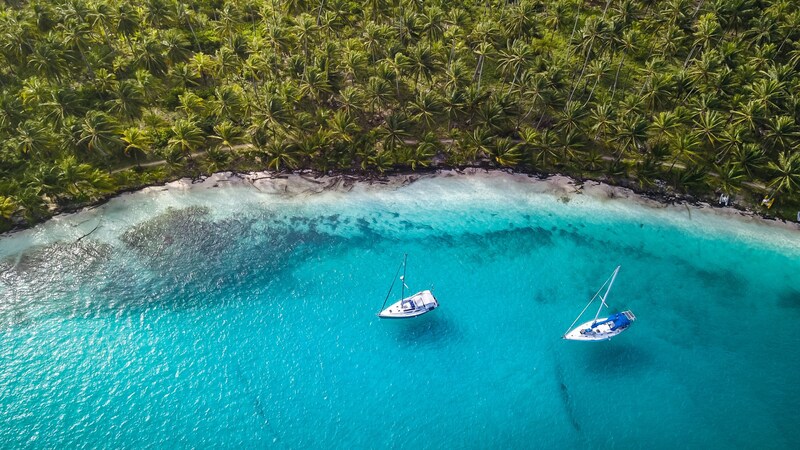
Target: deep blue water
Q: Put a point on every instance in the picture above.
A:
(230, 317)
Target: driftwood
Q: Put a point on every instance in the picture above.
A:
(87, 234)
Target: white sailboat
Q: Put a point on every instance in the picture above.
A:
(600, 329)
(413, 306)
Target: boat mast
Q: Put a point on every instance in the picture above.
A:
(392, 286)
(603, 298)
(403, 278)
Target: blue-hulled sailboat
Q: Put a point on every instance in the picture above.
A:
(600, 329)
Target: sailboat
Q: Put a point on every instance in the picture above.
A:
(413, 306)
(600, 329)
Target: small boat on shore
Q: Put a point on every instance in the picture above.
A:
(600, 329)
(416, 305)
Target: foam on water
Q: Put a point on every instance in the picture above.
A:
(244, 315)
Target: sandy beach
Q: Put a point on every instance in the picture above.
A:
(595, 198)
(308, 184)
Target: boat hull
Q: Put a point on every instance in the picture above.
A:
(413, 306)
(601, 329)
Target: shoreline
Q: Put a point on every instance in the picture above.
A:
(310, 182)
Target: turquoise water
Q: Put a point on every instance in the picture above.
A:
(245, 317)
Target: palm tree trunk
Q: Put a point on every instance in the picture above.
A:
(479, 71)
(588, 52)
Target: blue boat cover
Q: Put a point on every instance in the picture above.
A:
(618, 320)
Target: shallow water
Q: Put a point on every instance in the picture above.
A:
(230, 317)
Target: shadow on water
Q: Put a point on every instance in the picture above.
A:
(789, 299)
(426, 331)
(563, 391)
(258, 406)
(613, 358)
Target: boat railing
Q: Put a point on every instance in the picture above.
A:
(629, 315)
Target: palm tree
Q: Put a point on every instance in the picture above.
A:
(99, 133)
(731, 138)
(707, 31)
(77, 37)
(186, 138)
(483, 50)
(767, 93)
(128, 100)
(316, 84)
(750, 158)
(557, 14)
(749, 115)
(515, 58)
(126, 20)
(423, 62)
(492, 115)
(149, 55)
(136, 142)
(787, 174)
(781, 132)
(32, 139)
(431, 24)
(419, 155)
(191, 105)
(665, 125)
(479, 143)
(374, 37)
(570, 144)
(176, 47)
(647, 172)
(572, 117)
(597, 70)
(227, 135)
(273, 116)
(228, 103)
(379, 94)
(729, 177)
(100, 17)
(203, 66)
(399, 65)
(547, 145)
(157, 13)
(505, 152)
(48, 59)
(351, 100)
(394, 131)
(305, 29)
(407, 28)
(685, 146)
(80, 180)
(427, 148)
(521, 19)
(344, 127)
(426, 108)
(593, 29)
(709, 125)
(187, 18)
(631, 133)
